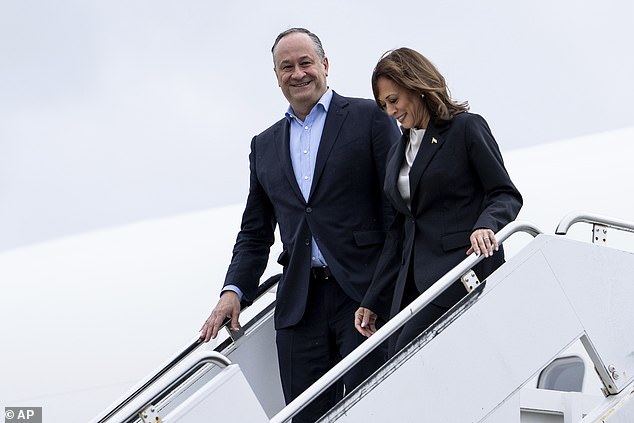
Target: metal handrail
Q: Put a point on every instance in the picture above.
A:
(595, 219)
(181, 371)
(175, 360)
(394, 324)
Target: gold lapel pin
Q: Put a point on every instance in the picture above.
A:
(434, 140)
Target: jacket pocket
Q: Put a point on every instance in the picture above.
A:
(364, 238)
(455, 240)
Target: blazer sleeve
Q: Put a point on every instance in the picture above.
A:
(378, 297)
(385, 134)
(502, 200)
(253, 243)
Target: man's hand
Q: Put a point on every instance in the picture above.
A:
(228, 307)
(365, 321)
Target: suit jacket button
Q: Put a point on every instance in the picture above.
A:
(307, 241)
(309, 209)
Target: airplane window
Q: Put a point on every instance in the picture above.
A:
(563, 374)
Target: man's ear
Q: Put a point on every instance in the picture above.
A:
(326, 65)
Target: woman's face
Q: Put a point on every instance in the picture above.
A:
(404, 105)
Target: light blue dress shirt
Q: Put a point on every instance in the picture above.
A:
(305, 137)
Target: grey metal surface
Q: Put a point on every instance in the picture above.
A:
(600, 286)
(166, 383)
(549, 295)
(582, 216)
(482, 358)
(226, 398)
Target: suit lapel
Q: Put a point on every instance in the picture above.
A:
(392, 170)
(431, 143)
(282, 134)
(334, 120)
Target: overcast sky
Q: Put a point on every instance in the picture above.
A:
(113, 112)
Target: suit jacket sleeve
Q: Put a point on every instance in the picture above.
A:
(502, 200)
(378, 298)
(385, 134)
(252, 247)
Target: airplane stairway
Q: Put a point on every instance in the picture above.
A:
(181, 378)
(470, 366)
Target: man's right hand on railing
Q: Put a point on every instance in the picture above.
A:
(228, 307)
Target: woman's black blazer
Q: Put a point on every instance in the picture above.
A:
(458, 183)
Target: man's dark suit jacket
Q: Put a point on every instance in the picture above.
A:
(345, 212)
(458, 183)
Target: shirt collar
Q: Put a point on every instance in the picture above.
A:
(416, 136)
(324, 101)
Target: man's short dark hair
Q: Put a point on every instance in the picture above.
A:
(318, 47)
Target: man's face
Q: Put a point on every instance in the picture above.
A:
(300, 73)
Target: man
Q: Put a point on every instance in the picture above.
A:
(318, 173)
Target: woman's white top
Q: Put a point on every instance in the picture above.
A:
(411, 150)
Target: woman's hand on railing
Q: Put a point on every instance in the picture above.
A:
(365, 321)
(483, 241)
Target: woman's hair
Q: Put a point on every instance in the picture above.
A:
(413, 71)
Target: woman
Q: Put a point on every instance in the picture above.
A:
(447, 182)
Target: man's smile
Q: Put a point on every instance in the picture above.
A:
(301, 84)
